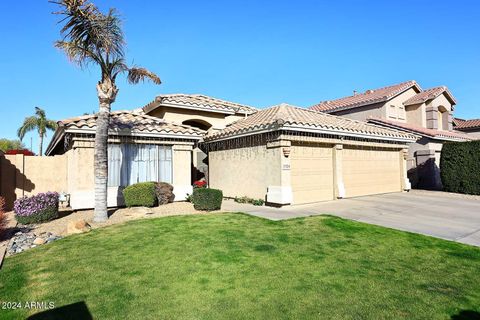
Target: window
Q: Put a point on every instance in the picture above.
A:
(132, 163)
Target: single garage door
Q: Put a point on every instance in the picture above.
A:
(311, 173)
(370, 171)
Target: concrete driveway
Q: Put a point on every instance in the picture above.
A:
(437, 214)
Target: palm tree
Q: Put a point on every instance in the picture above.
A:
(92, 37)
(37, 122)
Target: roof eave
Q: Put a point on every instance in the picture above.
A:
(57, 137)
(383, 99)
(341, 133)
(139, 134)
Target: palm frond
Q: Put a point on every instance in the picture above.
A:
(50, 124)
(40, 113)
(136, 75)
(97, 34)
(77, 54)
(29, 124)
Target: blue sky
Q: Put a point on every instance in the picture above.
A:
(254, 52)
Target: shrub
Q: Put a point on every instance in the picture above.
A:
(164, 192)
(140, 195)
(460, 167)
(207, 199)
(38, 208)
(255, 202)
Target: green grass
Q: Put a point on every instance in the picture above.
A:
(233, 266)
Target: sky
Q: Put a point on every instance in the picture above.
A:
(259, 53)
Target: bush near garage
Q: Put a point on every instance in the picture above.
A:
(140, 195)
(460, 167)
(207, 199)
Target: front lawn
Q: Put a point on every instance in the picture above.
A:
(233, 266)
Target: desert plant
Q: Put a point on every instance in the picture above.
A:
(460, 167)
(164, 192)
(38, 208)
(207, 199)
(90, 36)
(140, 195)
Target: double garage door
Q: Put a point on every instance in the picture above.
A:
(365, 171)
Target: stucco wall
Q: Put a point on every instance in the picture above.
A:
(73, 173)
(394, 108)
(364, 113)
(177, 115)
(474, 134)
(246, 171)
(416, 115)
(81, 177)
(27, 175)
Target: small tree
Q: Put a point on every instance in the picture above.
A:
(7, 144)
(38, 122)
(90, 36)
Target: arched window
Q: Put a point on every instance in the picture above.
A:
(197, 123)
(442, 118)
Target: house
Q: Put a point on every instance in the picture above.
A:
(470, 127)
(407, 107)
(141, 148)
(290, 155)
(199, 111)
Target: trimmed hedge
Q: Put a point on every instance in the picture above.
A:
(207, 199)
(460, 167)
(140, 195)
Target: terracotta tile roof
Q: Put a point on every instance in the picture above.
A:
(466, 124)
(198, 102)
(366, 98)
(287, 117)
(131, 122)
(432, 133)
(430, 94)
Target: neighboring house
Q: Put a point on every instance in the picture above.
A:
(141, 148)
(470, 127)
(290, 155)
(198, 111)
(405, 106)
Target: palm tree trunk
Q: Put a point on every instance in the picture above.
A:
(106, 95)
(40, 145)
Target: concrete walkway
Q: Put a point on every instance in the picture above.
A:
(437, 214)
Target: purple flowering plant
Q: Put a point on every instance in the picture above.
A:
(38, 208)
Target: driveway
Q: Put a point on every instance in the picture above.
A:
(437, 214)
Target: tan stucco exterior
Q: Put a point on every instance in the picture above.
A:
(27, 175)
(246, 171)
(217, 120)
(293, 170)
(72, 173)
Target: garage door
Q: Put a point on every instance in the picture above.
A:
(311, 174)
(369, 171)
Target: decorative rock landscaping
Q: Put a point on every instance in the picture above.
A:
(25, 239)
